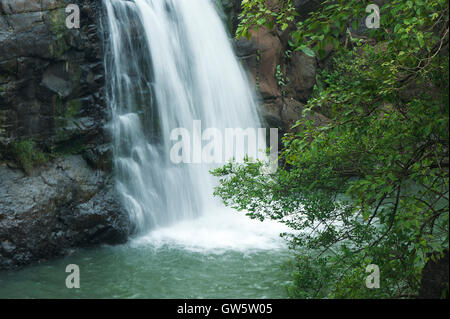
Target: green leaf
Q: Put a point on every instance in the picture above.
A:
(308, 51)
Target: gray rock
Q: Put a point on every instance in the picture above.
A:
(244, 48)
(100, 157)
(8, 247)
(64, 206)
(232, 9)
(301, 72)
(20, 6)
(52, 91)
(51, 78)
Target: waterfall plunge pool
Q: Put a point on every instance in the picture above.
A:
(223, 255)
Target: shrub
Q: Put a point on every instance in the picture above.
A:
(26, 154)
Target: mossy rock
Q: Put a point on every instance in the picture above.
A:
(27, 155)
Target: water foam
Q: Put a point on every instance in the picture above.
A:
(217, 232)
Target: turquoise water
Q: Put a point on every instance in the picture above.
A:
(146, 272)
(221, 255)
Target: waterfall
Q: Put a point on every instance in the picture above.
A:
(169, 63)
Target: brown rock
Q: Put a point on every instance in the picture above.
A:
(270, 55)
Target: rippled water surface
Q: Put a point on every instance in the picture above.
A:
(237, 258)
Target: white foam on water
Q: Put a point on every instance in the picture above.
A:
(217, 232)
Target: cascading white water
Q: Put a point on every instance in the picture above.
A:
(168, 63)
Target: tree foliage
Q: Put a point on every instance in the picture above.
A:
(372, 185)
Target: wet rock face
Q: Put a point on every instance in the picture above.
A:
(51, 77)
(66, 205)
(52, 92)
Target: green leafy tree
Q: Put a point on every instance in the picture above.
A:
(372, 185)
(256, 13)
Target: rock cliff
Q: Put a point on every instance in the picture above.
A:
(52, 103)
